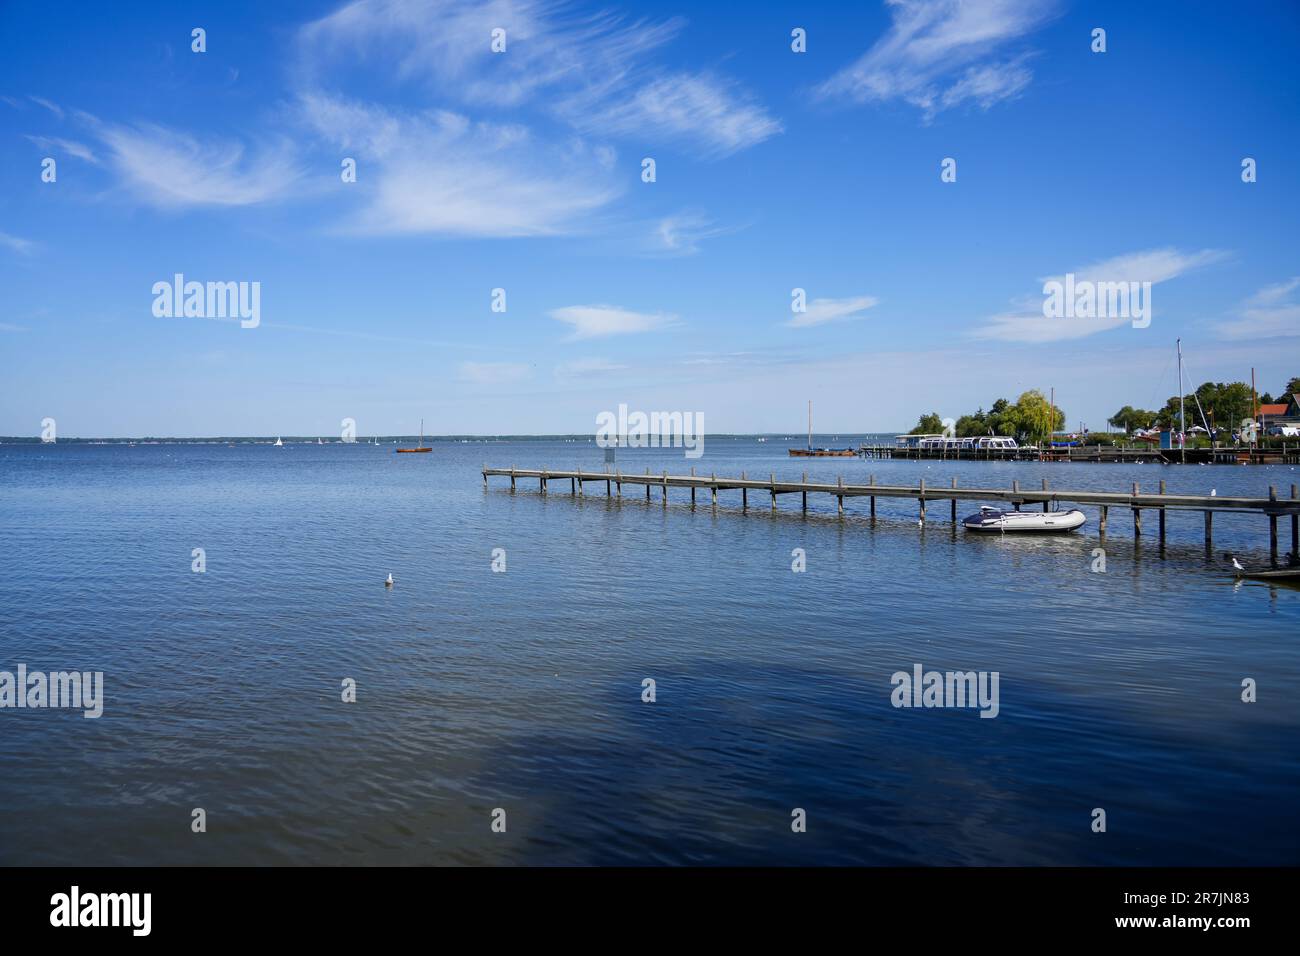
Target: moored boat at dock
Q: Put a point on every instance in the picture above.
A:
(993, 519)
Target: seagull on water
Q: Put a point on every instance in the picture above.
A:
(1237, 564)
(1213, 492)
(389, 583)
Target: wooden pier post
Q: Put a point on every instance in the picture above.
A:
(922, 501)
(954, 502)
(573, 486)
(1295, 529)
(873, 500)
(1209, 531)
(541, 479)
(1162, 518)
(618, 481)
(805, 494)
(692, 487)
(665, 489)
(744, 495)
(1137, 516)
(1015, 490)
(840, 498)
(1272, 527)
(647, 484)
(1102, 525)
(484, 469)
(773, 476)
(1046, 505)
(512, 479)
(713, 477)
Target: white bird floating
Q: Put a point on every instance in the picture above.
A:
(389, 583)
(1213, 492)
(1237, 564)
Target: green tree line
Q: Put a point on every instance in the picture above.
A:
(1225, 406)
(1030, 417)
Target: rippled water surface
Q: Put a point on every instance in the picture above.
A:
(479, 690)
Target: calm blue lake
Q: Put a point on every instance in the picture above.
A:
(522, 690)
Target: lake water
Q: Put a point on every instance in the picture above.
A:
(522, 690)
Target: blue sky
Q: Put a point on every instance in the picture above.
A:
(522, 170)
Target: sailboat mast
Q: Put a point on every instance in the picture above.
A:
(1182, 418)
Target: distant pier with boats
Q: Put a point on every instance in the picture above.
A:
(942, 448)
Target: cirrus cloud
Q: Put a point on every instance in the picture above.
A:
(602, 321)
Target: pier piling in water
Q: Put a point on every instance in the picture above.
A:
(1295, 529)
(1162, 519)
(1272, 526)
(1137, 515)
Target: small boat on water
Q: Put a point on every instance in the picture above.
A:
(811, 452)
(278, 443)
(420, 448)
(996, 520)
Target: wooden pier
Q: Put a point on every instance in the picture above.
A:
(1136, 501)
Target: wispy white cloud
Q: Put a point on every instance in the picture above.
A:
(1272, 312)
(588, 368)
(445, 46)
(939, 54)
(52, 107)
(600, 321)
(592, 72)
(171, 169)
(492, 373)
(1025, 322)
(440, 173)
(821, 311)
(71, 147)
(700, 107)
(681, 234)
(16, 243)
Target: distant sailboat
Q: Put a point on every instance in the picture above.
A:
(420, 447)
(811, 452)
(278, 443)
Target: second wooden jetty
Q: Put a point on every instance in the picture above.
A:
(1273, 507)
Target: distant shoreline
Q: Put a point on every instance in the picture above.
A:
(800, 438)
